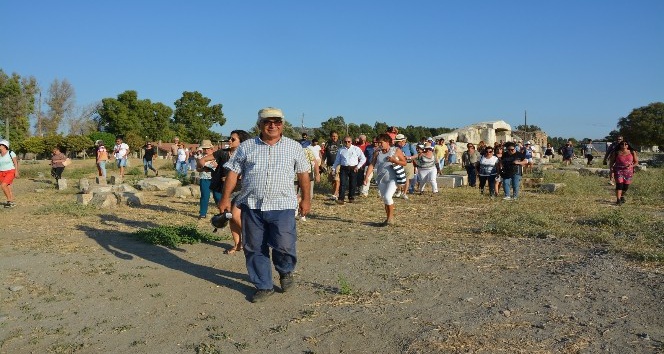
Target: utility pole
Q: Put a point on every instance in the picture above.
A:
(302, 124)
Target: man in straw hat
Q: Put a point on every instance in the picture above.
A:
(268, 165)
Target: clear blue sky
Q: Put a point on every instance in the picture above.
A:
(575, 66)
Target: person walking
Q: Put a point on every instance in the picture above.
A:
(470, 161)
(102, 157)
(384, 156)
(182, 155)
(8, 172)
(329, 156)
(349, 161)
(426, 168)
(623, 159)
(510, 170)
(488, 170)
(148, 158)
(57, 163)
(121, 152)
(205, 169)
(268, 165)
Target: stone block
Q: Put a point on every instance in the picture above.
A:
(195, 191)
(84, 198)
(552, 187)
(100, 180)
(115, 180)
(179, 192)
(62, 184)
(104, 200)
(531, 182)
(451, 181)
(130, 198)
(158, 184)
(84, 185)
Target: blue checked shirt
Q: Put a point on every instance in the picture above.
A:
(268, 173)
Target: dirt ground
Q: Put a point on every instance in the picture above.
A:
(430, 284)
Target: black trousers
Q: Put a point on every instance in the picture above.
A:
(348, 179)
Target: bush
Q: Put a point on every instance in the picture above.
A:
(173, 236)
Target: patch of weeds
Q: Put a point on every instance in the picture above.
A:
(126, 276)
(69, 209)
(134, 171)
(278, 329)
(241, 346)
(137, 343)
(219, 336)
(206, 317)
(173, 236)
(157, 295)
(114, 298)
(152, 285)
(26, 308)
(206, 348)
(121, 329)
(344, 286)
(66, 348)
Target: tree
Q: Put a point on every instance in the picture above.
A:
(194, 116)
(336, 124)
(107, 138)
(140, 119)
(60, 101)
(644, 125)
(76, 143)
(32, 145)
(82, 121)
(17, 102)
(528, 128)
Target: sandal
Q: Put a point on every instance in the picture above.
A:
(233, 250)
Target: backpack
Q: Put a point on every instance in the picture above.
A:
(217, 183)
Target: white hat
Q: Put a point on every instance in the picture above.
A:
(399, 137)
(269, 112)
(528, 142)
(5, 143)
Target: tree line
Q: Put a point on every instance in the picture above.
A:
(140, 120)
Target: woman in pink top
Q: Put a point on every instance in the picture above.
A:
(623, 160)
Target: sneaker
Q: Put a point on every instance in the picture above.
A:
(287, 281)
(622, 200)
(10, 205)
(481, 191)
(261, 295)
(303, 218)
(397, 194)
(340, 202)
(351, 200)
(364, 195)
(404, 196)
(507, 198)
(332, 197)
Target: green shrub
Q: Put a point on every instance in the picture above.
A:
(173, 236)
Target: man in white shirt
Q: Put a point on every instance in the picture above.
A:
(350, 159)
(120, 152)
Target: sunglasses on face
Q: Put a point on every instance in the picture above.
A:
(512, 149)
(347, 141)
(233, 139)
(276, 123)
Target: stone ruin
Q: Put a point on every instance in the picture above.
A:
(109, 195)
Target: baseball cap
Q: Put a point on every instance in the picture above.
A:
(528, 142)
(270, 112)
(5, 143)
(400, 137)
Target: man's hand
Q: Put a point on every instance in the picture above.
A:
(305, 207)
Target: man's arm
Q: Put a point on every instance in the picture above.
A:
(305, 188)
(229, 186)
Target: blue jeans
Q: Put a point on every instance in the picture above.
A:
(262, 230)
(512, 182)
(472, 175)
(204, 185)
(148, 164)
(182, 168)
(102, 168)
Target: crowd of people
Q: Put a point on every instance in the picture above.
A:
(263, 181)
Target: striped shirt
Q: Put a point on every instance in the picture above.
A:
(268, 172)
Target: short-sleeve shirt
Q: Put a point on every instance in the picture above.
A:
(149, 154)
(7, 162)
(121, 150)
(268, 172)
(488, 166)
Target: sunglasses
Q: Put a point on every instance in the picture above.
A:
(233, 139)
(276, 123)
(511, 149)
(347, 141)
(489, 151)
